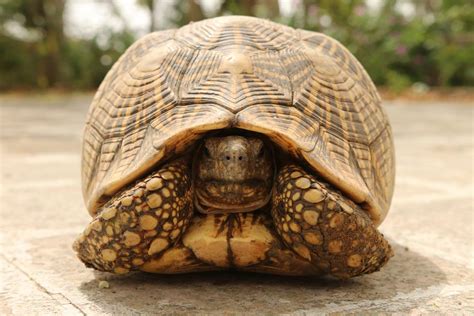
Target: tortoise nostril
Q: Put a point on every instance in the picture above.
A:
(227, 157)
(240, 157)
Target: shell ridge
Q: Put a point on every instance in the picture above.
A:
(353, 158)
(384, 181)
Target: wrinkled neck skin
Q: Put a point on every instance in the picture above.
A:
(232, 174)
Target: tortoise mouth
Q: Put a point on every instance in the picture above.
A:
(221, 197)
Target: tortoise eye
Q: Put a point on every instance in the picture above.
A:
(261, 152)
(206, 152)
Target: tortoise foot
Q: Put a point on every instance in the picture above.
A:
(139, 223)
(324, 227)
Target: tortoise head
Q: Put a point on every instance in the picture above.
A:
(233, 174)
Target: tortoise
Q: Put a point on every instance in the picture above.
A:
(237, 143)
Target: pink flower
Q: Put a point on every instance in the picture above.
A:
(360, 10)
(401, 50)
(313, 11)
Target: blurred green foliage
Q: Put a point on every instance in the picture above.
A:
(431, 44)
(434, 44)
(35, 53)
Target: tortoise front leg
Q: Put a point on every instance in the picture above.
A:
(324, 227)
(140, 222)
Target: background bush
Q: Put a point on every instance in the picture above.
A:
(430, 45)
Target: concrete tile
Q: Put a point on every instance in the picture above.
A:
(430, 226)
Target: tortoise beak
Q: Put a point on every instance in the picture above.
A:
(217, 197)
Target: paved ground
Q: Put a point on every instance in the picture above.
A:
(41, 211)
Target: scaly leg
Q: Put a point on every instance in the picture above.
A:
(324, 227)
(140, 222)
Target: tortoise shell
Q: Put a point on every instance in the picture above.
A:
(302, 89)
